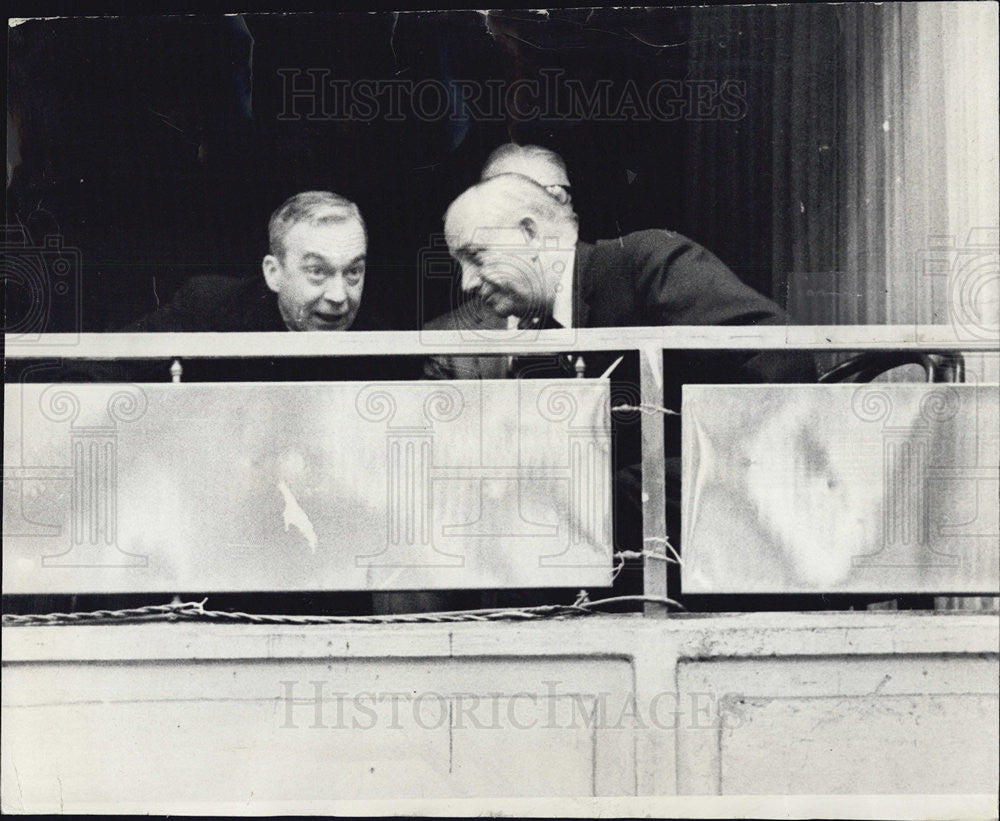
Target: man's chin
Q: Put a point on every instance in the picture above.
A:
(322, 323)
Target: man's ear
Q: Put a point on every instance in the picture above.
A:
(531, 230)
(272, 272)
(559, 193)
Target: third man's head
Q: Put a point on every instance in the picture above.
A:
(542, 165)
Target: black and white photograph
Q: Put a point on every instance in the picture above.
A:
(529, 412)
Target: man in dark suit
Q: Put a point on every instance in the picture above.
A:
(522, 266)
(313, 279)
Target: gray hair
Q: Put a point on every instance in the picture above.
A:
(510, 154)
(313, 207)
(508, 198)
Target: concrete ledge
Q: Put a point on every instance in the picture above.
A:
(161, 716)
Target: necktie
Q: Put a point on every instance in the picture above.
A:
(541, 366)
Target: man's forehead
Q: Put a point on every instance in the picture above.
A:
(473, 223)
(341, 236)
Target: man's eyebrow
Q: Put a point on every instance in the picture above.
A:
(312, 256)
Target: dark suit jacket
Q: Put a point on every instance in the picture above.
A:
(216, 303)
(652, 277)
(228, 304)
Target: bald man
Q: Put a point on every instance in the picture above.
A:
(523, 264)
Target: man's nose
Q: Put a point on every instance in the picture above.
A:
(335, 291)
(470, 277)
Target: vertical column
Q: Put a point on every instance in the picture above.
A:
(588, 540)
(408, 492)
(589, 471)
(904, 465)
(654, 507)
(409, 526)
(905, 474)
(94, 454)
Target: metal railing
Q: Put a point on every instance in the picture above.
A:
(650, 342)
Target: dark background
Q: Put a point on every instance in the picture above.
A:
(153, 144)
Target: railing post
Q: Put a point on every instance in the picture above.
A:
(654, 510)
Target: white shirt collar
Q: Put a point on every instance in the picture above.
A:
(562, 306)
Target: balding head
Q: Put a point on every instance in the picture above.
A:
(511, 238)
(509, 201)
(542, 165)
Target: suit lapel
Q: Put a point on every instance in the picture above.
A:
(583, 284)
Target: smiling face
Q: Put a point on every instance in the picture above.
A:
(320, 276)
(500, 265)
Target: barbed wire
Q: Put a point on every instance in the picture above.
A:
(195, 611)
(623, 555)
(153, 612)
(666, 543)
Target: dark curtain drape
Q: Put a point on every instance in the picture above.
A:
(728, 167)
(843, 139)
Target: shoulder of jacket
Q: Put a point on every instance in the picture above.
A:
(658, 239)
(464, 317)
(214, 286)
(441, 323)
(649, 247)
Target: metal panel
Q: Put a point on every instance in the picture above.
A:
(278, 729)
(841, 488)
(306, 486)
